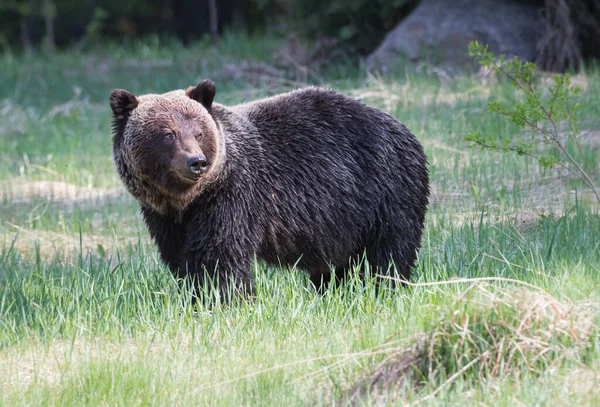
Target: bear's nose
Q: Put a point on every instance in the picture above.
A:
(197, 164)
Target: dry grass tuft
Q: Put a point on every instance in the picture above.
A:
(492, 333)
(13, 118)
(390, 95)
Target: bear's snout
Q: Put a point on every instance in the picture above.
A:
(197, 165)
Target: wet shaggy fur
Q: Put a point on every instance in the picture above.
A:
(310, 177)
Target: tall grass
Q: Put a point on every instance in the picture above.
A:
(89, 315)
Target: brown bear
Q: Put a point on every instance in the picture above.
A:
(310, 177)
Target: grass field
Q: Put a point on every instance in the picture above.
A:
(505, 304)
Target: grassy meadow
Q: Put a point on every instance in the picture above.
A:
(503, 308)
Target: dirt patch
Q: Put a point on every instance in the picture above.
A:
(583, 381)
(50, 363)
(590, 138)
(57, 191)
(66, 248)
(449, 199)
(52, 245)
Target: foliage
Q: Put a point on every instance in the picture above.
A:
(28, 22)
(548, 119)
(357, 24)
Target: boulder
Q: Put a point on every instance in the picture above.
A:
(439, 31)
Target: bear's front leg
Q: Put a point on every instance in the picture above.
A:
(219, 251)
(168, 233)
(210, 266)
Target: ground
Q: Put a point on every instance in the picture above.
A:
(88, 315)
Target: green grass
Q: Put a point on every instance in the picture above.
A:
(89, 315)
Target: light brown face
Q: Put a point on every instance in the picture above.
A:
(182, 142)
(168, 142)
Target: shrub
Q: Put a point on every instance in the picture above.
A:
(549, 119)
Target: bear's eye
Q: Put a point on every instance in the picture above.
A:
(169, 137)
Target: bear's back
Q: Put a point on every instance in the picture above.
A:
(325, 169)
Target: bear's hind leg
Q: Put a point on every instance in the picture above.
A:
(321, 281)
(391, 259)
(325, 277)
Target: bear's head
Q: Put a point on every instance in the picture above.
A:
(167, 147)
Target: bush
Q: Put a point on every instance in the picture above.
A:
(548, 118)
(357, 24)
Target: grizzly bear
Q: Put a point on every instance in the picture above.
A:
(311, 178)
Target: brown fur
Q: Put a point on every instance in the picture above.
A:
(155, 118)
(309, 177)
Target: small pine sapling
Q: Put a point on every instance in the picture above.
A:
(548, 119)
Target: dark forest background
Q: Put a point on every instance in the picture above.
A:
(60, 23)
(354, 26)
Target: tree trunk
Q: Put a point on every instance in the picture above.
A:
(167, 15)
(213, 18)
(49, 11)
(24, 32)
(239, 14)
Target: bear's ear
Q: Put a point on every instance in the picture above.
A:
(122, 103)
(203, 93)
